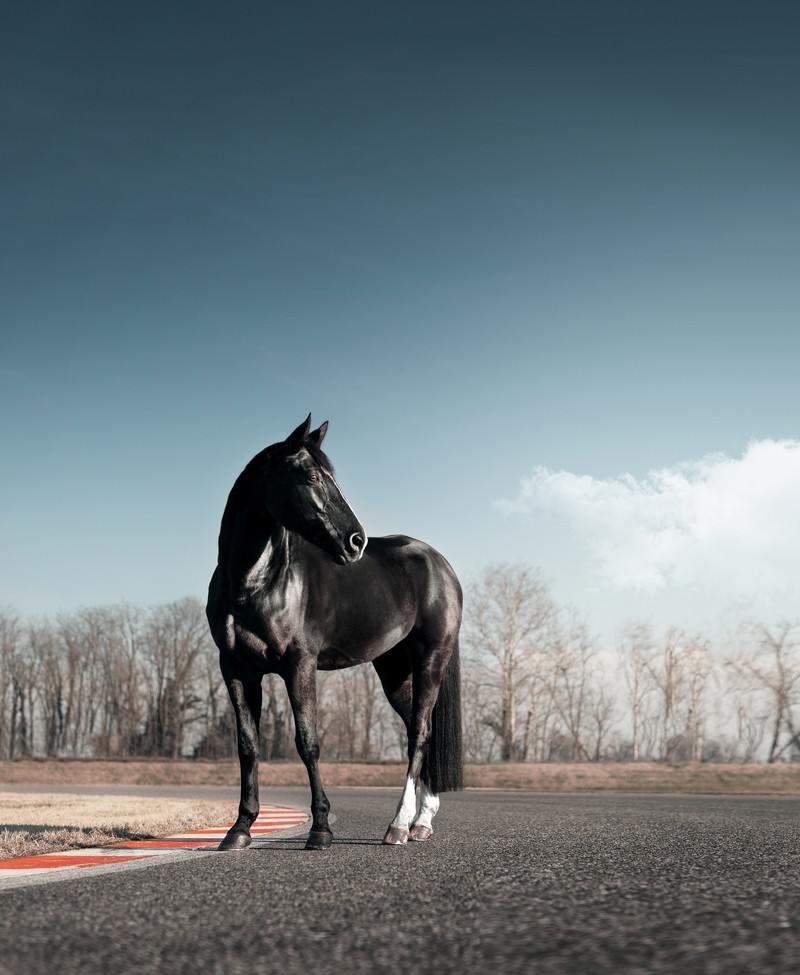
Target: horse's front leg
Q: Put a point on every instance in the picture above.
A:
(301, 683)
(245, 694)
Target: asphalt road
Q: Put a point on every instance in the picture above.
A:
(511, 882)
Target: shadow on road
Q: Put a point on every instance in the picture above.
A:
(300, 844)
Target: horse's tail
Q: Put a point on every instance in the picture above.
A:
(443, 769)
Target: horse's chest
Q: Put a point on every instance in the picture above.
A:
(265, 627)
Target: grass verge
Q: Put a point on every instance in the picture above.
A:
(44, 823)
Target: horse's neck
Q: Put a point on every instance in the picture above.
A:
(253, 551)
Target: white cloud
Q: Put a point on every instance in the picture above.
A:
(723, 525)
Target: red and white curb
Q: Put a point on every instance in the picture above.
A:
(271, 819)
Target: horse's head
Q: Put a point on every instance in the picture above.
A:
(303, 496)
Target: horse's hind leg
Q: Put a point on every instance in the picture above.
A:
(395, 672)
(301, 684)
(422, 827)
(245, 694)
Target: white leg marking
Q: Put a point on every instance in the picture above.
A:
(407, 806)
(428, 807)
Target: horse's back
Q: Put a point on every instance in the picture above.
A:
(362, 610)
(422, 561)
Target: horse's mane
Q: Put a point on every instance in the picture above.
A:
(262, 459)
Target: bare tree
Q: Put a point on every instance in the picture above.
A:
(23, 678)
(480, 740)
(542, 735)
(175, 635)
(277, 720)
(116, 642)
(602, 714)
(698, 669)
(768, 667)
(750, 730)
(91, 645)
(680, 672)
(571, 699)
(9, 647)
(636, 653)
(54, 676)
(569, 658)
(508, 615)
(355, 720)
(666, 671)
(742, 708)
(217, 731)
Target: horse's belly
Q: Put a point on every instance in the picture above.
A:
(350, 652)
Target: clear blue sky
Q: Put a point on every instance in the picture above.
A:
(476, 237)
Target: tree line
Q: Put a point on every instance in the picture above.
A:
(125, 681)
(539, 687)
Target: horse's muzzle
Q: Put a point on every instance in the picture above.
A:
(357, 543)
(353, 548)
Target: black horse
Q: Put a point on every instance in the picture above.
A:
(297, 589)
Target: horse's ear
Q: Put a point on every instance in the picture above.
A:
(317, 436)
(295, 439)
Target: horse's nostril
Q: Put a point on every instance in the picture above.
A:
(356, 542)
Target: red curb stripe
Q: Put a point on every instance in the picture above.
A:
(52, 861)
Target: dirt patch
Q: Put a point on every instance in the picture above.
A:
(43, 823)
(690, 777)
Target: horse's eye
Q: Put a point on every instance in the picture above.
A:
(313, 477)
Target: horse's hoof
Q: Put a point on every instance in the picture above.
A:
(395, 836)
(319, 840)
(420, 833)
(236, 839)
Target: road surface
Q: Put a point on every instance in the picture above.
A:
(511, 882)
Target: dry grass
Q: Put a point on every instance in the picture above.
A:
(680, 777)
(43, 823)
(692, 777)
